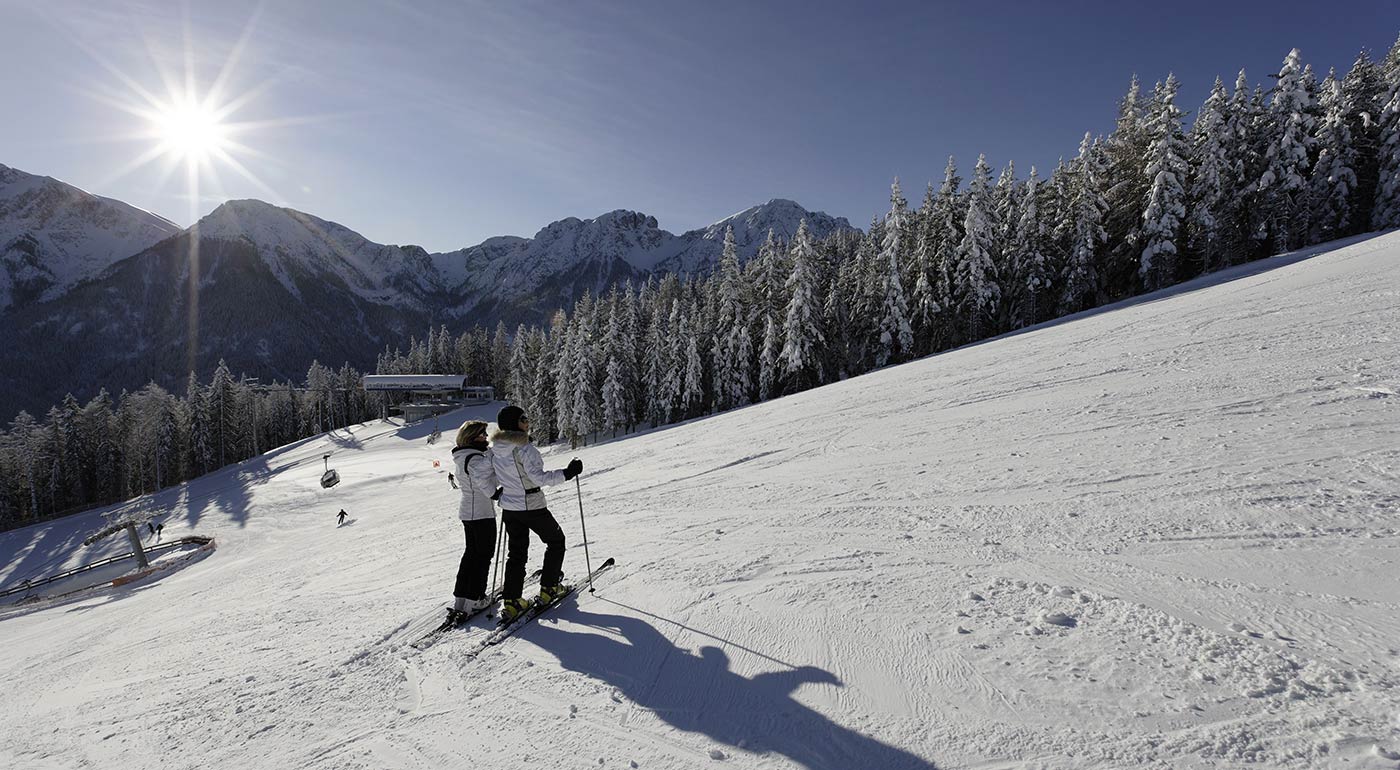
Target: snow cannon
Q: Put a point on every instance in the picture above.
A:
(330, 478)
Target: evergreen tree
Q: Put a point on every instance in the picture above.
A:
(1386, 211)
(1362, 92)
(946, 234)
(1209, 198)
(1287, 164)
(1166, 198)
(1334, 179)
(1085, 231)
(896, 337)
(1031, 267)
(977, 291)
(802, 331)
(924, 307)
(1125, 185)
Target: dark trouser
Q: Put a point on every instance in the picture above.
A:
(519, 525)
(476, 559)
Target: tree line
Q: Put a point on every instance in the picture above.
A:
(1154, 203)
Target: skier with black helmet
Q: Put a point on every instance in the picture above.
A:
(520, 472)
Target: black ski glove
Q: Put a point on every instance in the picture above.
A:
(574, 469)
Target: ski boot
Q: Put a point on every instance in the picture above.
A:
(551, 594)
(512, 609)
(480, 604)
(455, 617)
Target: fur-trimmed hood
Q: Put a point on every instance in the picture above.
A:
(510, 437)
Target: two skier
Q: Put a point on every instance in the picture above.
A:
(509, 469)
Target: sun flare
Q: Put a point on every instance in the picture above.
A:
(190, 131)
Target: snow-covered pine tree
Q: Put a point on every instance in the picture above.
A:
(1028, 254)
(946, 233)
(1287, 160)
(693, 387)
(802, 332)
(500, 358)
(224, 426)
(1361, 102)
(1084, 229)
(656, 362)
(1006, 205)
(545, 423)
(673, 385)
(1208, 199)
(1165, 207)
(924, 308)
(1334, 175)
(565, 356)
(729, 326)
(896, 340)
(520, 381)
(977, 291)
(1385, 213)
(769, 363)
(1125, 189)
(585, 391)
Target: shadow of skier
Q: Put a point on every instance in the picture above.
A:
(700, 694)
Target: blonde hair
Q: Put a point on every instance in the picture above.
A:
(470, 430)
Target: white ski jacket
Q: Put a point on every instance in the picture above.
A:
(520, 471)
(478, 483)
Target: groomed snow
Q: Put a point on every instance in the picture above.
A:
(1163, 535)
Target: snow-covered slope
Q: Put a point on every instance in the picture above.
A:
(1162, 535)
(53, 235)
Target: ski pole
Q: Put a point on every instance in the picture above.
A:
(587, 562)
(500, 541)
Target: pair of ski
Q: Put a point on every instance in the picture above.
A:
(427, 640)
(506, 629)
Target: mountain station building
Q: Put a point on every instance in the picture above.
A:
(429, 394)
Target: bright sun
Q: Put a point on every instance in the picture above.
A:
(190, 131)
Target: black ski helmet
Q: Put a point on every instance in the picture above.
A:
(509, 417)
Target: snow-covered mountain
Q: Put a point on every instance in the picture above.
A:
(1161, 534)
(751, 226)
(54, 235)
(292, 243)
(96, 294)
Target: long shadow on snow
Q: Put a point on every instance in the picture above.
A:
(699, 694)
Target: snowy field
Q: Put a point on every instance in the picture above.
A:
(1163, 535)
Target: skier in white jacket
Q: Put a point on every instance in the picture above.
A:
(478, 516)
(520, 472)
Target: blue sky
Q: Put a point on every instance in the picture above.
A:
(442, 124)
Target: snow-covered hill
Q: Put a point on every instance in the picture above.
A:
(53, 235)
(1160, 535)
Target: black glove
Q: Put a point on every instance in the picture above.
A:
(574, 469)
(497, 496)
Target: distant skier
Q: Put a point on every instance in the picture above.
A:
(452, 480)
(340, 517)
(520, 472)
(478, 516)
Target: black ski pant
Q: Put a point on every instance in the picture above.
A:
(519, 525)
(476, 558)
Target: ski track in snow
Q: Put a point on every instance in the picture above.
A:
(1163, 535)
